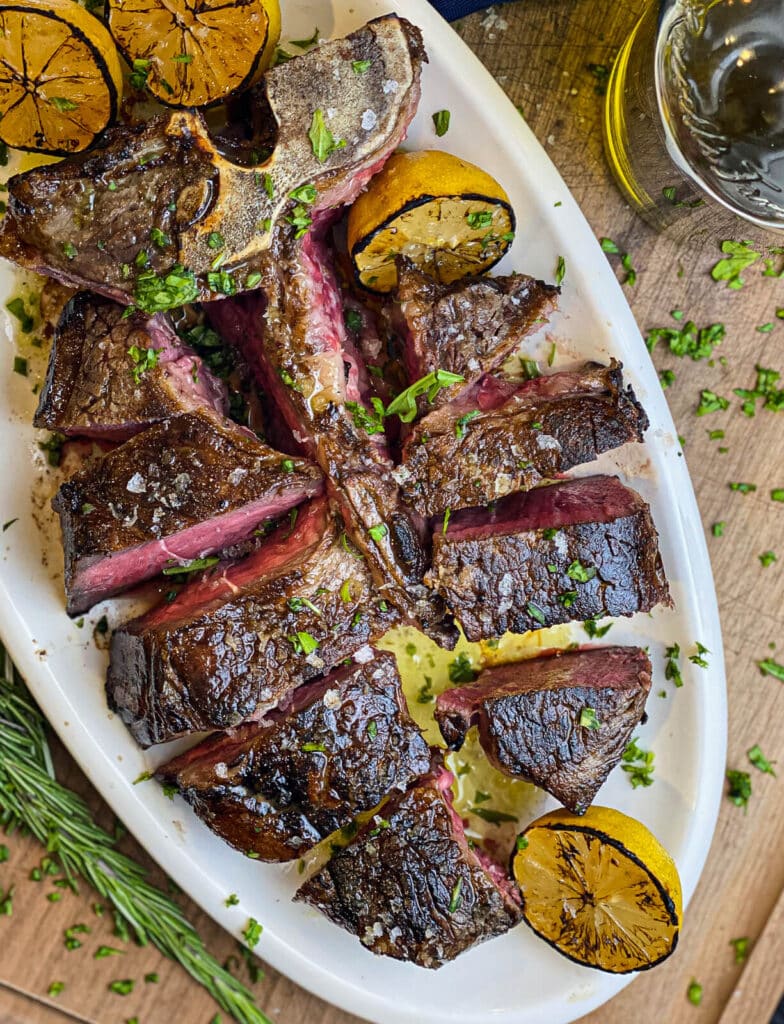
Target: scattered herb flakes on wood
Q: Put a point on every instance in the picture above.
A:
(739, 791)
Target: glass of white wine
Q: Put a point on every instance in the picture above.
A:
(694, 118)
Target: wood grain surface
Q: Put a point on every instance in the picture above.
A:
(539, 51)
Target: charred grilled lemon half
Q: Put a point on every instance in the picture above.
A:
(195, 53)
(600, 888)
(60, 77)
(446, 215)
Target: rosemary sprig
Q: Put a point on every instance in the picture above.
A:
(32, 799)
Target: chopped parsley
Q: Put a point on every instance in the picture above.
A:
(123, 987)
(521, 843)
(461, 670)
(353, 320)
(215, 240)
(138, 76)
(694, 992)
(638, 764)
(743, 488)
(601, 73)
(364, 419)
(221, 281)
(53, 446)
(296, 604)
(741, 948)
(672, 668)
(455, 897)
(580, 573)
(195, 565)
(20, 366)
(404, 405)
(777, 494)
(718, 528)
(447, 514)
(560, 271)
(711, 402)
(758, 759)
(667, 378)
(425, 692)
(441, 120)
(143, 359)
(105, 951)
(535, 612)
(359, 67)
(372, 729)
(378, 532)
(313, 748)
(739, 790)
(764, 390)
(588, 719)
(16, 308)
(670, 194)
(159, 238)
(689, 340)
(155, 293)
(55, 989)
(69, 250)
(303, 643)
(321, 138)
(252, 932)
(305, 194)
(492, 816)
(739, 256)
(479, 219)
(462, 423)
(767, 558)
(699, 658)
(300, 219)
(595, 631)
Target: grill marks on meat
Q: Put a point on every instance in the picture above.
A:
(528, 714)
(469, 327)
(90, 388)
(184, 489)
(278, 787)
(500, 437)
(410, 887)
(572, 551)
(227, 648)
(167, 175)
(296, 338)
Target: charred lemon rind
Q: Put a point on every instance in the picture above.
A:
(633, 874)
(88, 33)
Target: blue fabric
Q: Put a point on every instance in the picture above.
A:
(452, 9)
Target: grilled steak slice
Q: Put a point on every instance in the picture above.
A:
(164, 188)
(278, 787)
(234, 645)
(184, 489)
(469, 327)
(568, 552)
(96, 388)
(410, 887)
(294, 335)
(530, 717)
(500, 437)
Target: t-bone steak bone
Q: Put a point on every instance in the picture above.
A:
(409, 886)
(95, 387)
(499, 437)
(277, 787)
(232, 646)
(164, 188)
(468, 327)
(568, 552)
(561, 720)
(184, 489)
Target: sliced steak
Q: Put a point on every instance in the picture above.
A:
(469, 327)
(295, 336)
(96, 388)
(277, 787)
(560, 721)
(233, 645)
(184, 489)
(164, 189)
(572, 551)
(500, 437)
(410, 887)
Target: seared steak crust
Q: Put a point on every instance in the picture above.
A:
(185, 488)
(523, 566)
(410, 887)
(167, 176)
(91, 388)
(529, 717)
(278, 787)
(234, 645)
(469, 327)
(500, 437)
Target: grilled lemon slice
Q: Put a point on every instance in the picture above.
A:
(60, 76)
(599, 888)
(194, 53)
(448, 216)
